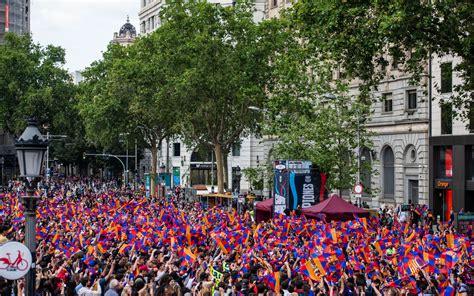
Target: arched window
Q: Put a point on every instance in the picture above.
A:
(365, 169)
(388, 173)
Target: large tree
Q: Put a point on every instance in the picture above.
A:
(225, 61)
(122, 94)
(363, 37)
(327, 132)
(310, 113)
(33, 83)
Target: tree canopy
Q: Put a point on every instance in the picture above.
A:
(33, 83)
(124, 94)
(310, 112)
(364, 37)
(223, 66)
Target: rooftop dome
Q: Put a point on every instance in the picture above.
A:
(127, 28)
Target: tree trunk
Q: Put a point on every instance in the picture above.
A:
(220, 168)
(154, 167)
(225, 156)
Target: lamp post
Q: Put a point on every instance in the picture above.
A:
(31, 147)
(161, 179)
(238, 175)
(126, 157)
(334, 98)
(2, 162)
(359, 199)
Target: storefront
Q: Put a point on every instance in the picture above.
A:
(451, 175)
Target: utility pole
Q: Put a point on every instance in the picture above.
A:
(212, 170)
(46, 171)
(126, 161)
(126, 156)
(136, 161)
(2, 162)
(358, 154)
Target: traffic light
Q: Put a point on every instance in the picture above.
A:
(84, 155)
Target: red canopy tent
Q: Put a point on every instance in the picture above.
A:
(335, 208)
(264, 210)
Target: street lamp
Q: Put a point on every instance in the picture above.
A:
(333, 97)
(161, 178)
(238, 175)
(2, 162)
(126, 157)
(31, 147)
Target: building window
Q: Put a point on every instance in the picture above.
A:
(446, 119)
(410, 154)
(388, 173)
(395, 62)
(446, 77)
(202, 153)
(387, 102)
(203, 176)
(275, 3)
(236, 149)
(176, 149)
(444, 162)
(411, 99)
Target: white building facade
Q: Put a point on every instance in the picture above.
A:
(190, 166)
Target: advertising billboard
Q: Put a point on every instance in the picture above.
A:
(297, 183)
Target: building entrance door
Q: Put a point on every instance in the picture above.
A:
(443, 203)
(413, 191)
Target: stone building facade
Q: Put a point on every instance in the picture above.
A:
(150, 20)
(399, 126)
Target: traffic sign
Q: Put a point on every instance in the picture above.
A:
(358, 189)
(15, 260)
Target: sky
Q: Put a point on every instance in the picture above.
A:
(83, 28)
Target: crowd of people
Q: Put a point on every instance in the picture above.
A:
(98, 239)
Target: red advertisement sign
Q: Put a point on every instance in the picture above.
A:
(448, 162)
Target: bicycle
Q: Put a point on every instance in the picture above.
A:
(19, 263)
